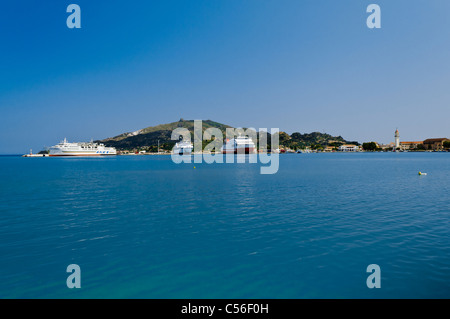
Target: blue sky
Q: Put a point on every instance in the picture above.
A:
(300, 66)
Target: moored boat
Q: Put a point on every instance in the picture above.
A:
(182, 148)
(239, 145)
(65, 148)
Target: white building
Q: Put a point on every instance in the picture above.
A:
(397, 139)
(349, 148)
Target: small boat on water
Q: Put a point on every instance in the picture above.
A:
(239, 145)
(35, 155)
(183, 148)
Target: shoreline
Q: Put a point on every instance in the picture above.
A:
(218, 153)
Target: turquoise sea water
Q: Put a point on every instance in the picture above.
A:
(144, 227)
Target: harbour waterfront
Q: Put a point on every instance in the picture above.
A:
(145, 227)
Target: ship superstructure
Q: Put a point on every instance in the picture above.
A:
(239, 145)
(65, 148)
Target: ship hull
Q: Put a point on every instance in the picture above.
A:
(186, 151)
(65, 153)
(246, 150)
(183, 148)
(79, 155)
(80, 149)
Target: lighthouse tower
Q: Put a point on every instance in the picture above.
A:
(397, 139)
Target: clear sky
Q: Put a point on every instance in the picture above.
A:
(300, 66)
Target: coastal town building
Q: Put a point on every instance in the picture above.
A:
(406, 146)
(397, 139)
(435, 144)
(431, 144)
(349, 148)
(389, 146)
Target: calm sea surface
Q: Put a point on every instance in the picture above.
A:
(144, 227)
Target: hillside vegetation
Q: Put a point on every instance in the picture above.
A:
(148, 137)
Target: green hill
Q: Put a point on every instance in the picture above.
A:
(314, 140)
(148, 137)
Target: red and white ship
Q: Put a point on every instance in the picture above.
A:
(239, 145)
(81, 149)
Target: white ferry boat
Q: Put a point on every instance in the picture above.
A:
(183, 148)
(239, 145)
(80, 149)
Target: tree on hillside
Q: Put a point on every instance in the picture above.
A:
(297, 136)
(420, 147)
(284, 137)
(335, 144)
(317, 147)
(446, 144)
(370, 146)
